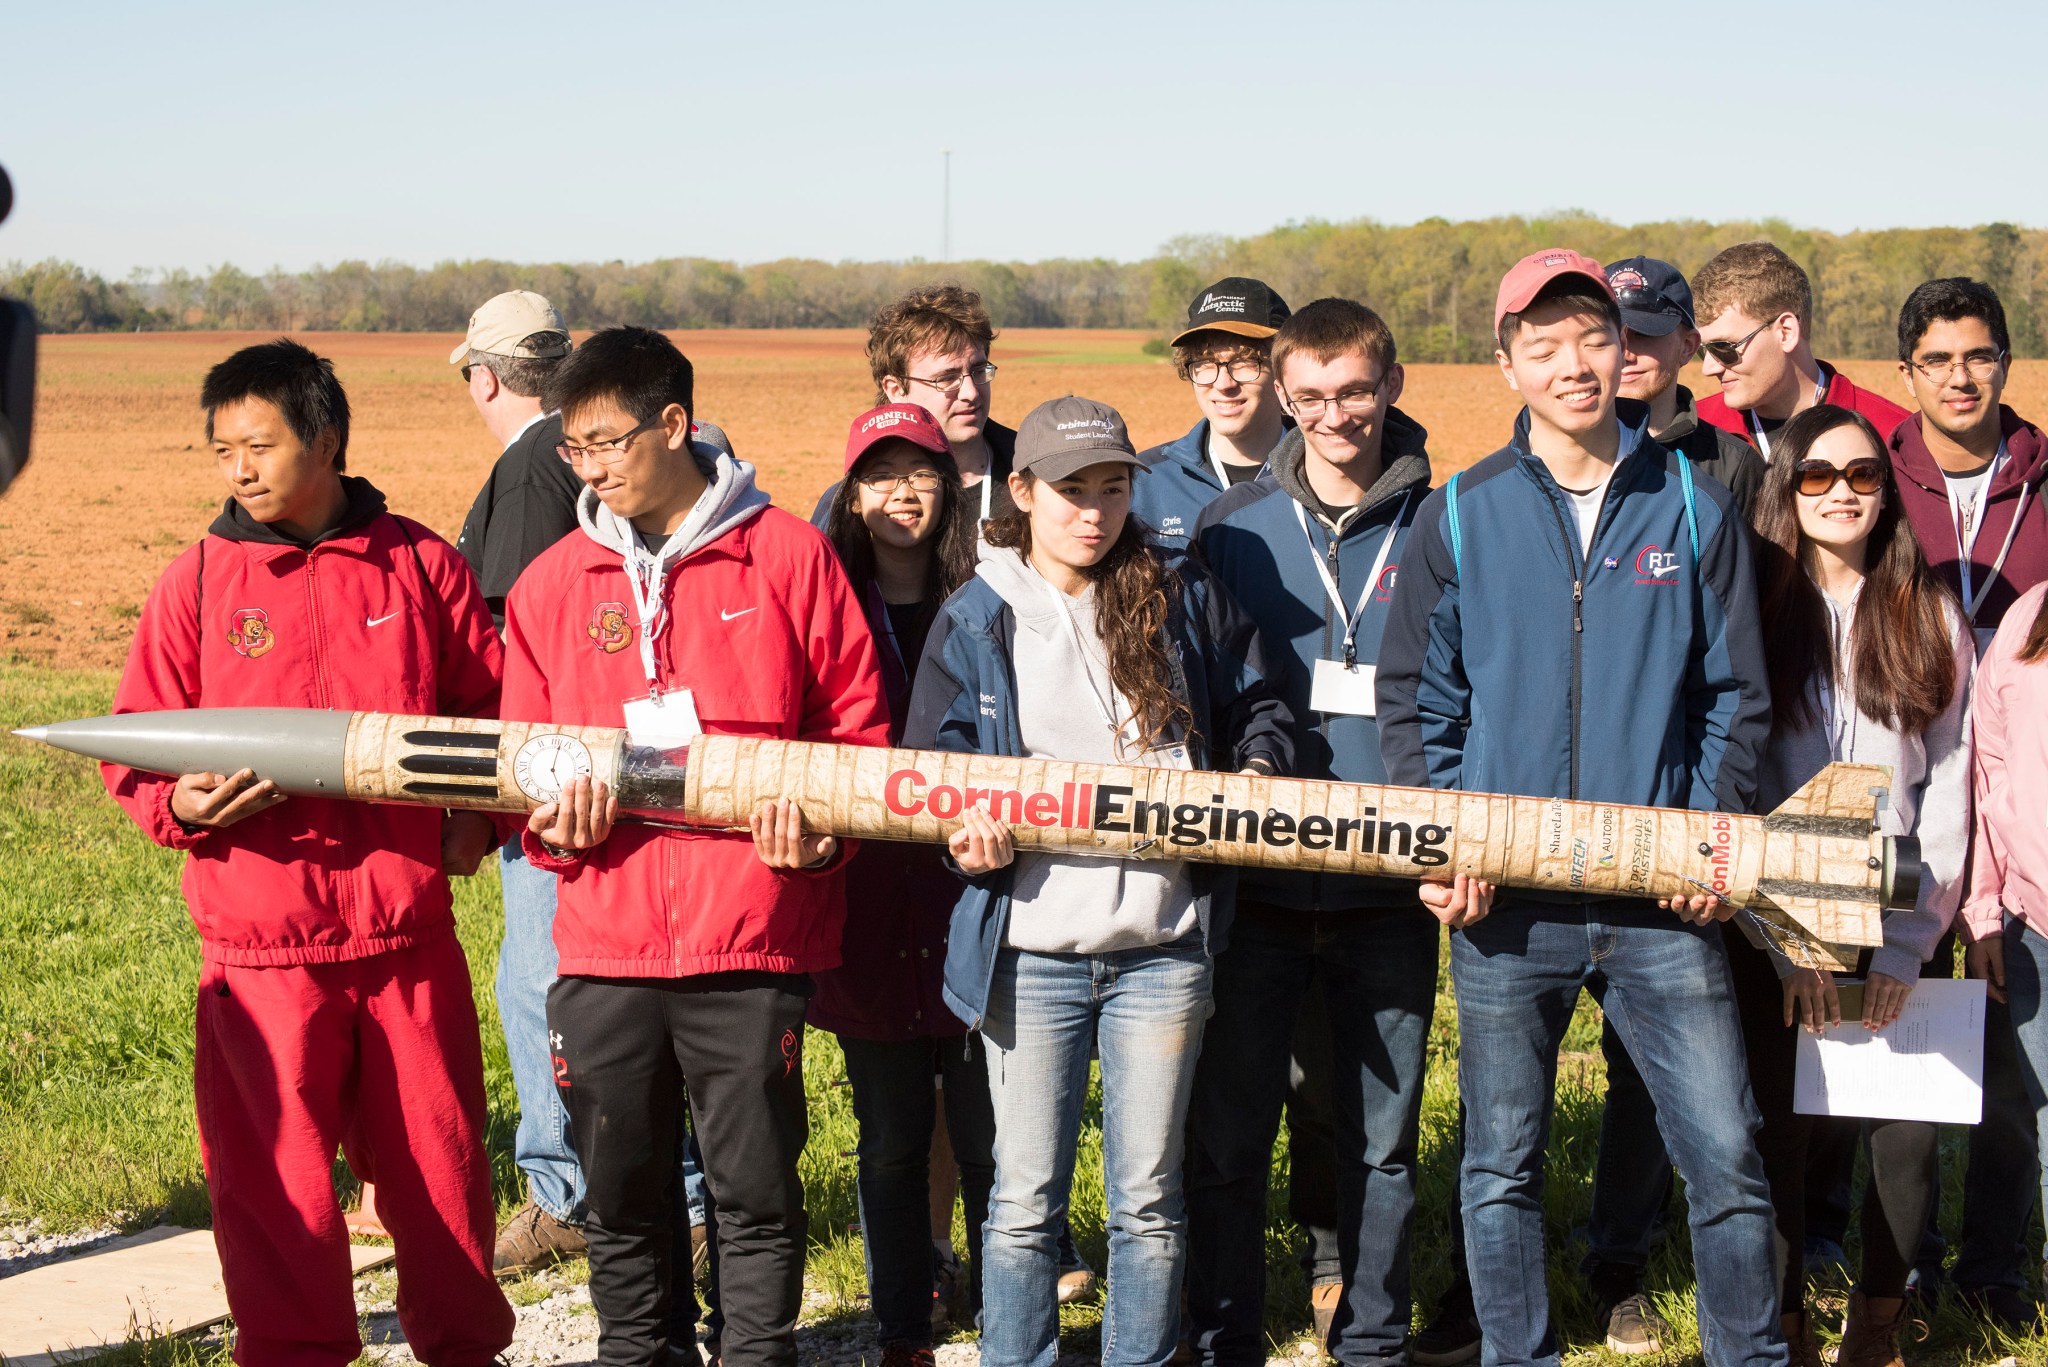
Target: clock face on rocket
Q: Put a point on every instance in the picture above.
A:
(548, 761)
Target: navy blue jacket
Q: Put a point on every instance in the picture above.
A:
(1651, 690)
(1252, 539)
(965, 699)
(1179, 483)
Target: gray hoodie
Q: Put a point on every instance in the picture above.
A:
(728, 500)
(1076, 903)
(1930, 795)
(1404, 467)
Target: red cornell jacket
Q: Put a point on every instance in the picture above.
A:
(2017, 491)
(1842, 392)
(378, 615)
(765, 631)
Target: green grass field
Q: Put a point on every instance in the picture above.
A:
(98, 959)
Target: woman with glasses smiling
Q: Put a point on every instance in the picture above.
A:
(1869, 661)
(905, 531)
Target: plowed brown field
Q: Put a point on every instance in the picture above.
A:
(121, 478)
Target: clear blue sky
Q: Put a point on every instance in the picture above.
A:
(289, 134)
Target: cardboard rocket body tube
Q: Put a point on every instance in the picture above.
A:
(1815, 871)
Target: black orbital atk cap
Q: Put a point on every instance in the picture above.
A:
(1235, 304)
(1654, 298)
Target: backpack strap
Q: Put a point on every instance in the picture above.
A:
(1457, 540)
(1692, 517)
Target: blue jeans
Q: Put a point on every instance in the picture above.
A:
(542, 1146)
(1143, 1009)
(2026, 984)
(1632, 1175)
(1376, 972)
(1518, 974)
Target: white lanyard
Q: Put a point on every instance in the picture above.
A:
(1350, 617)
(1841, 726)
(1102, 704)
(1215, 461)
(1756, 424)
(653, 613)
(988, 484)
(1968, 522)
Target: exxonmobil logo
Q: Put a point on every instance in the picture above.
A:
(1115, 808)
(1721, 840)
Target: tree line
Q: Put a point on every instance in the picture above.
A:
(1433, 281)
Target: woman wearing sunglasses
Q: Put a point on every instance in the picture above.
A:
(904, 530)
(1869, 662)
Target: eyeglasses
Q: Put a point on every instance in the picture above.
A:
(1730, 353)
(920, 482)
(950, 382)
(1244, 370)
(606, 452)
(1816, 477)
(1352, 403)
(1978, 365)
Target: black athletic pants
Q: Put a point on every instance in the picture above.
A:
(631, 1052)
(1902, 1152)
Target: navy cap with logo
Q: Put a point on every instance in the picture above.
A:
(1654, 298)
(1235, 304)
(1071, 433)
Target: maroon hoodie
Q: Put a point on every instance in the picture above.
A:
(2016, 489)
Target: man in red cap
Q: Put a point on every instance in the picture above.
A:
(1756, 322)
(1576, 618)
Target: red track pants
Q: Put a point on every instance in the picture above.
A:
(380, 1058)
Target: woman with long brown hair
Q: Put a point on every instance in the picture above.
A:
(1079, 640)
(1869, 661)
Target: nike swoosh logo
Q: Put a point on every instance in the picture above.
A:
(725, 616)
(379, 621)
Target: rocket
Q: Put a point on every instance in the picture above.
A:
(1815, 874)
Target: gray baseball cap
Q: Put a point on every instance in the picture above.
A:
(1071, 433)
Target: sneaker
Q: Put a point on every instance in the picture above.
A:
(1323, 1300)
(2008, 1308)
(533, 1239)
(1451, 1336)
(1077, 1280)
(908, 1355)
(1633, 1328)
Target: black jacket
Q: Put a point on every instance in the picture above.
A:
(1715, 452)
(526, 506)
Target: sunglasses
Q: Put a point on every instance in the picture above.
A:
(1816, 477)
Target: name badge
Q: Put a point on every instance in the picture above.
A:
(664, 723)
(1347, 691)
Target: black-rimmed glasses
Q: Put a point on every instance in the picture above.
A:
(606, 452)
(1730, 353)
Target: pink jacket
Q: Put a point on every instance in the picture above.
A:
(2009, 856)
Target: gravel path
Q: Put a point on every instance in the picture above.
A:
(24, 1244)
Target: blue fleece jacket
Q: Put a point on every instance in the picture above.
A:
(1177, 484)
(1263, 540)
(1517, 664)
(965, 699)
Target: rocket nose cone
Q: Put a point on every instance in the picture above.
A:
(33, 732)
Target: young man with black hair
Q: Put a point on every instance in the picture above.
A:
(1756, 334)
(334, 1003)
(1223, 353)
(684, 604)
(1970, 474)
(1312, 550)
(1551, 595)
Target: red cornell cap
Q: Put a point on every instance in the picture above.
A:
(894, 422)
(1527, 277)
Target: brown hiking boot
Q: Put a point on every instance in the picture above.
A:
(533, 1239)
(1871, 1342)
(1323, 1300)
(1802, 1349)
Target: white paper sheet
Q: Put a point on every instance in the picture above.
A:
(1926, 1065)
